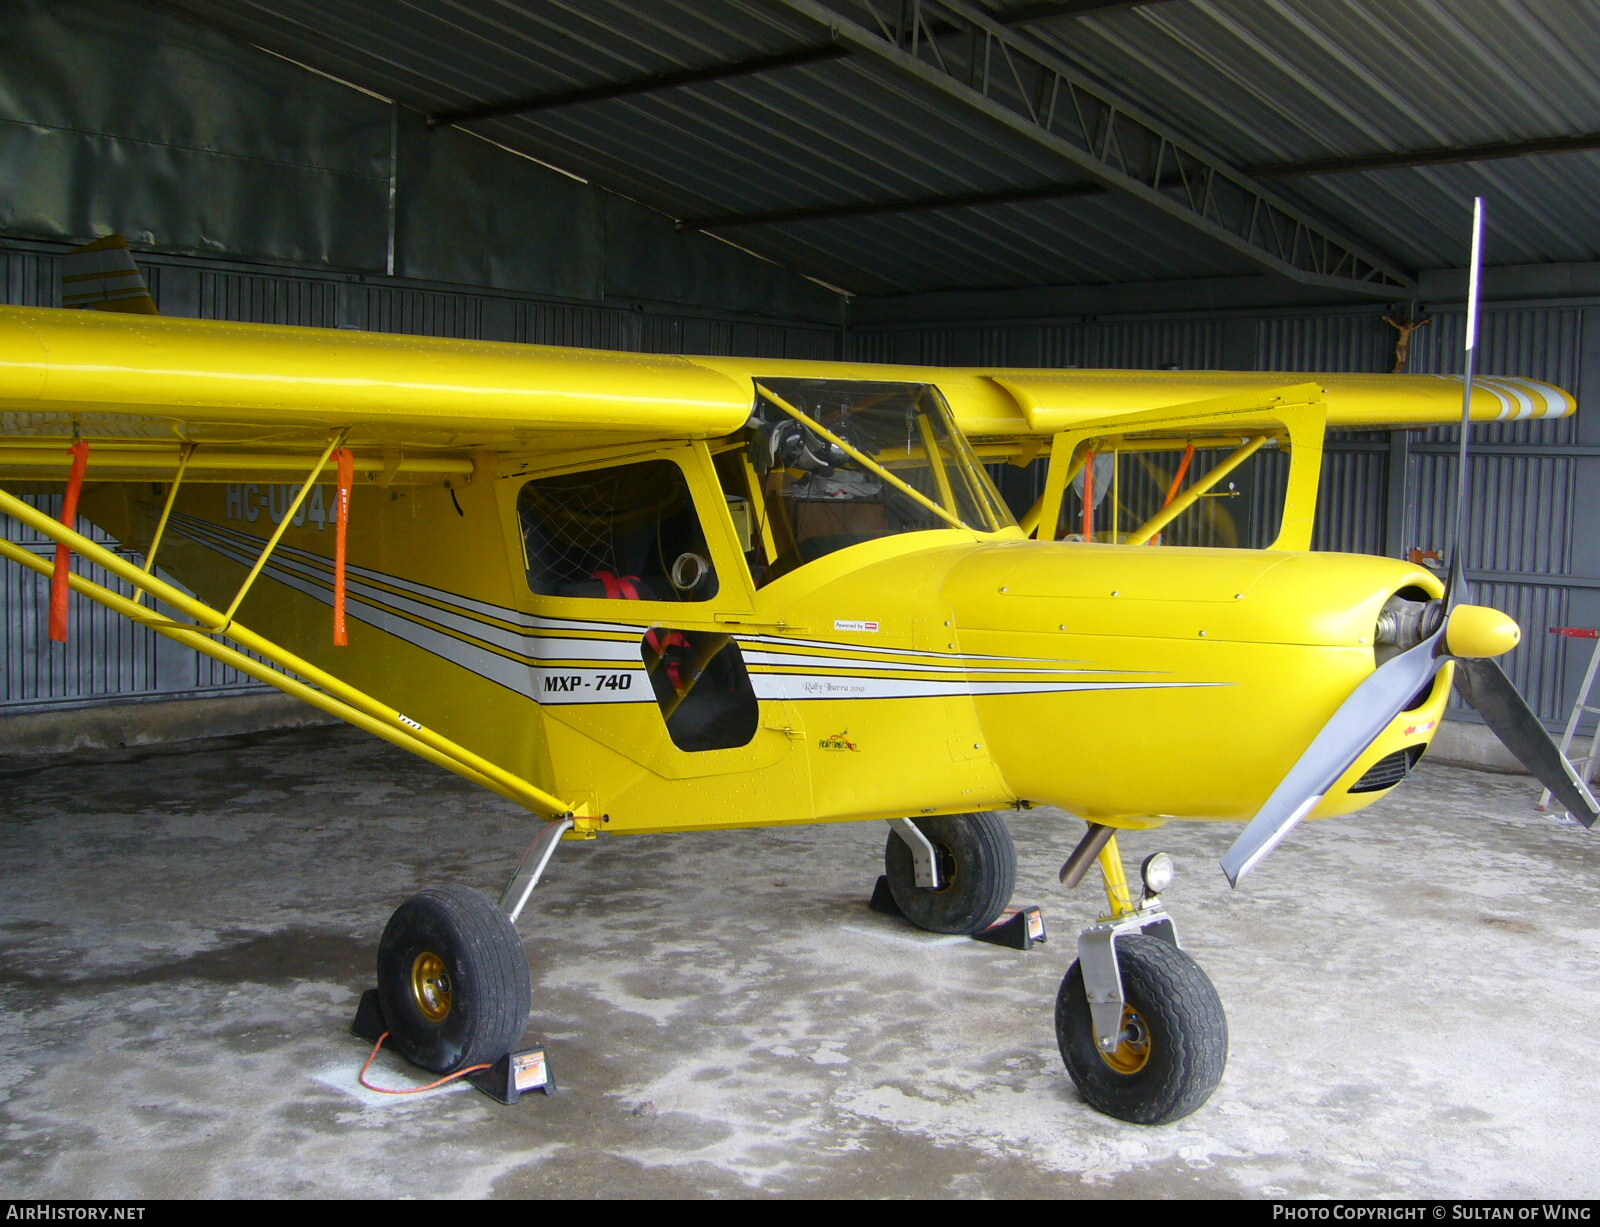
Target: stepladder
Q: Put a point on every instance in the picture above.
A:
(1581, 707)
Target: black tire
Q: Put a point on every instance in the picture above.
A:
(977, 864)
(452, 980)
(1177, 1042)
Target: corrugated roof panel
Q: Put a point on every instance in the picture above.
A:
(1255, 81)
(820, 135)
(1272, 81)
(1276, 80)
(434, 54)
(1088, 240)
(1538, 209)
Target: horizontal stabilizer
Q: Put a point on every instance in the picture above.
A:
(103, 277)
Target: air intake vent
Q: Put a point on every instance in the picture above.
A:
(1388, 771)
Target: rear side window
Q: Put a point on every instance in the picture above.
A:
(702, 688)
(629, 532)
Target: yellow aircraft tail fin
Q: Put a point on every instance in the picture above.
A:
(102, 276)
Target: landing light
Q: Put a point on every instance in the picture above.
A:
(1157, 872)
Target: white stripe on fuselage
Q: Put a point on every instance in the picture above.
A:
(558, 679)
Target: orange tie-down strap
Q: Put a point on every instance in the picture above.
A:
(626, 587)
(59, 589)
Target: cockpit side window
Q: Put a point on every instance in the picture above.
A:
(627, 532)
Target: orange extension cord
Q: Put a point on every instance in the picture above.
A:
(416, 1090)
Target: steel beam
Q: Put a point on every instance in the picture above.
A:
(1404, 159)
(656, 82)
(650, 84)
(991, 72)
(970, 200)
(1067, 8)
(1582, 143)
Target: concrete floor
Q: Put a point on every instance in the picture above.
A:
(184, 932)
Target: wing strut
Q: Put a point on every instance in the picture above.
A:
(184, 457)
(313, 685)
(334, 444)
(347, 476)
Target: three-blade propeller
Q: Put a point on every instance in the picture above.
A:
(1468, 635)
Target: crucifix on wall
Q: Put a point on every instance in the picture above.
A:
(1402, 343)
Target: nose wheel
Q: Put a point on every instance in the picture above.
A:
(1140, 1026)
(1172, 1045)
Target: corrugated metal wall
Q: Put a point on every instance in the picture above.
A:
(1530, 553)
(107, 657)
(1147, 344)
(110, 658)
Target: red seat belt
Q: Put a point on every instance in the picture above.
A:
(625, 587)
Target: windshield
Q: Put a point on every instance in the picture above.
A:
(838, 462)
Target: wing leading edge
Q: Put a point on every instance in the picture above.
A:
(160, 381)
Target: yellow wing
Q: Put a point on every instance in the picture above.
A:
(141, 387)
(250, 395)
(1061, 400)
(995, 402)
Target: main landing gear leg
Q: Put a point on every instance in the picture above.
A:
(1140, 1027)
(453, 982)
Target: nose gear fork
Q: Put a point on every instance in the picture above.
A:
(1140, 1027)
(1097, 944)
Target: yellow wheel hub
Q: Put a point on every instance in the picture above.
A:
(1132, 1052)
(430, 986)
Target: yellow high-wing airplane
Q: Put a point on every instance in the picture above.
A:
(637, 593)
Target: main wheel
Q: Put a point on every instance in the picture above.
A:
(1174, 1042)
(452, 980)
(977, 866)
